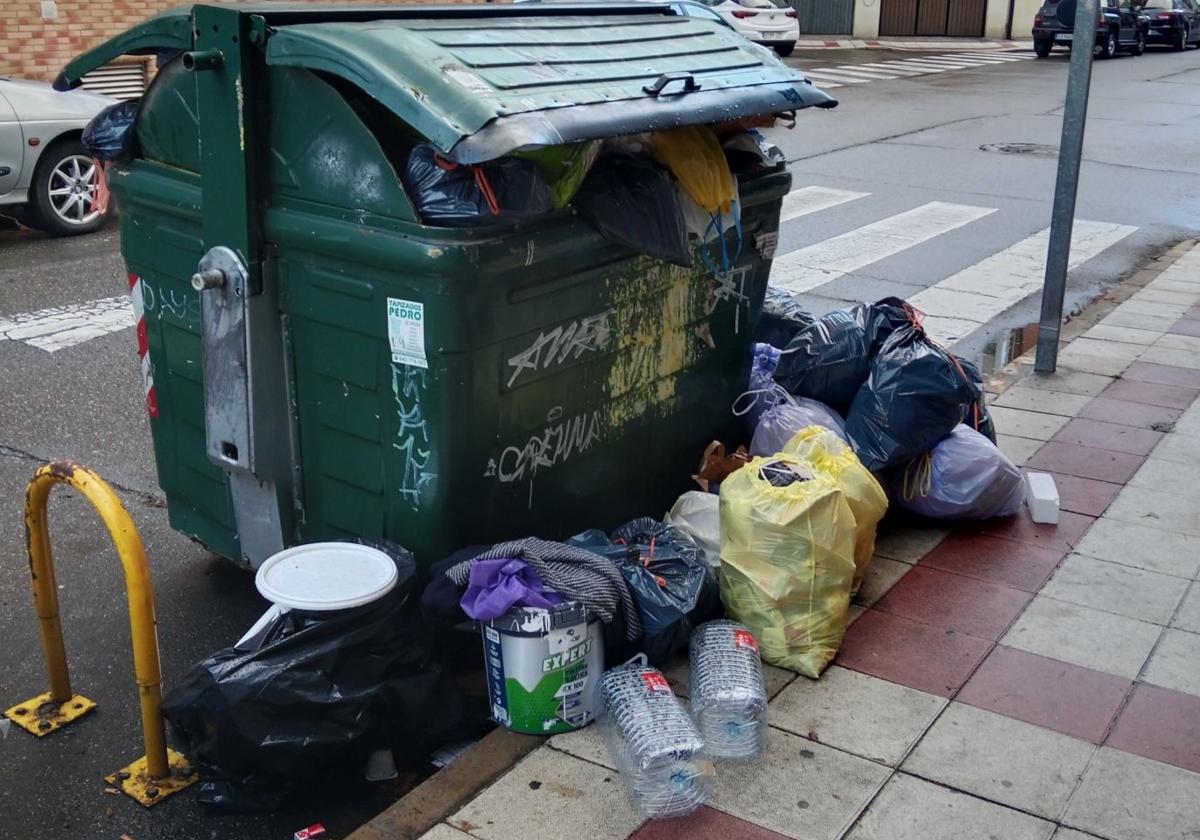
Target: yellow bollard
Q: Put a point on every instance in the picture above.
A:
(160, 772)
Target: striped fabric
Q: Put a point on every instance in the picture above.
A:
(573, 572)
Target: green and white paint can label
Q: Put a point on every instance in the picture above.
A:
(543, 668)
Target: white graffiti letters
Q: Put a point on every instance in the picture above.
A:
(554, 445)
(564, 342)
(412, 435)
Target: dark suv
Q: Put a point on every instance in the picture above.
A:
(1174, 22)
(1121, 26)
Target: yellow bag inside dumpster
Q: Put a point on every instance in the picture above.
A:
(787, 560)
(829, 455)
(695, 158)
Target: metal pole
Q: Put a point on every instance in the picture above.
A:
(1070, 152)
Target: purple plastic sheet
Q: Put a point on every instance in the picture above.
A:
(496, 586)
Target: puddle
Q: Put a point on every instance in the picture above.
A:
(1007, 346)
(1038, 149)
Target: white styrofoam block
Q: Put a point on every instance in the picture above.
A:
(1041, 494)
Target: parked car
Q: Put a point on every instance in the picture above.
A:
(1120, 27)
(772, 23)
(1174, 22)
(46, 177)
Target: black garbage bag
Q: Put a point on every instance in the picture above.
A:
(633, 202)
(449, 194)
(830, 359)
(109, 134)
(674, 588)
(781, 319)
(311, 697)
(915, 395)
(979, 418)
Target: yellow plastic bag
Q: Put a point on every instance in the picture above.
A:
(694, 156)
(787, 560)
(829, 455)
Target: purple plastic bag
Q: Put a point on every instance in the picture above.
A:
(496, 586)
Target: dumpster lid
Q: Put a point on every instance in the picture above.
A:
(482, 85)
(326, 576)
(170, 29)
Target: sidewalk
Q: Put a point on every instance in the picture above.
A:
(831, 42)
(1010, 680)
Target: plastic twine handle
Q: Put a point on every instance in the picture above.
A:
(919, 480)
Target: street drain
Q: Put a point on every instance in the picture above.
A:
(1041, 149)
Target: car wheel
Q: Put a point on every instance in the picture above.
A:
(1181, 42)
(1139, 46)
(1042, 48)
(1109, 48)
(784, 50)
(63, 193)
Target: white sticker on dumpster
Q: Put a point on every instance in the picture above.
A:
(406, 332)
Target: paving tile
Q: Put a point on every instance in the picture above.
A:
(441, 831)
(1160, 355)
(1125, 413)
(1158, 509)
(955, 602)
(1180, 342)
(1186, 326)
(587, 743)
(995, 559)
(1085, 461)
(1044, 400)
(1061, 537)
(1001, 759)
(1127, 797)
(1083, 636)
(677, 674)
(705, 824)
(551, 794)
(1133, 593)
(1180, 448)
(1068, 381)
(1046, 692)
(1127, 335)
(1166, 476)
(1084, 495)
(1174, 662)
(853, 612)
(881, 575)
(1156, 308)
(1138, 320)
(913, 809)
(1142, 547)
(1142, 371)
(907, 544)
(1161, 724)
(1027, 424)
(800, 788)
(1187, 617)
(1100, 435)
(1159, 294)
(1017, 449)
(1072, 834)
(856, 712)
(918, 655)
(1151, 393)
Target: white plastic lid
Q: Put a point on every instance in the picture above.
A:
(326, 576)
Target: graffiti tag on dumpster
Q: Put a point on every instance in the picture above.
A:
(566, 341)
(412, 433)
(553, 445)
(731, 286)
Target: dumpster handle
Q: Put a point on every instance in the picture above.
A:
(160, 772)
(689, 83)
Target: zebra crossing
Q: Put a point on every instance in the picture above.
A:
(956, 306)
(834, 76)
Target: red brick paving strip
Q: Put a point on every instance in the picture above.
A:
(705, 824)
(1129, 413)
(1160, 724)
(995, 559)
(1085, 462)
(1162, 374)
(955, 602)
(1096, 434)
(1151, 393)
(1085, 495)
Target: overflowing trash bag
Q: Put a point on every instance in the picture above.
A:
(781, 318)
(915, 395)
(964, 477)
(751, 148)
(675, 590)
(449, 194)
(565, 167)
(830, 359)
(109, 135)
(633, 202)
(696, 514)
(694, 155)
(827, 452)
(781, 423)
(787, 560)
(310, 697)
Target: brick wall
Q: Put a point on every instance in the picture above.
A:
(34, 47)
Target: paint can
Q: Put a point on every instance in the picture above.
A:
(543, 668)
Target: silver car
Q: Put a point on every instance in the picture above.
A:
(47, 179)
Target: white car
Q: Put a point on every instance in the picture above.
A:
(46, 176)
(772, 24)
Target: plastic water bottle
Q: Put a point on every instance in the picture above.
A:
(728, 695)
(653, 742)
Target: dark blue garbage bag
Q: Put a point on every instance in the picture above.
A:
(781, 318)
(674, 588)
(915, 395)
(979, 418)
(830, 359)
(109, 134)
(449, 194)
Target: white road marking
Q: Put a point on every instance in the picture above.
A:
(807, 200)
(994, 59)
(954, 62)
(881, 68)
(837, 77)
(822, 262)
(964, 302)
(855, 72)
(60, 327)
(924, 68)
(823, 84)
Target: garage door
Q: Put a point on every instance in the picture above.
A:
(959, 18)
(825, 17)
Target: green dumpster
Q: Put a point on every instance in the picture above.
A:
(321, 364)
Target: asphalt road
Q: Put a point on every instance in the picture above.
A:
(895, 144)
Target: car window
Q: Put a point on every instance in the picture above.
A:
(697, 11)
(759, 4)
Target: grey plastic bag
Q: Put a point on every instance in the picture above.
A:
(965, 476)
(779, 424)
